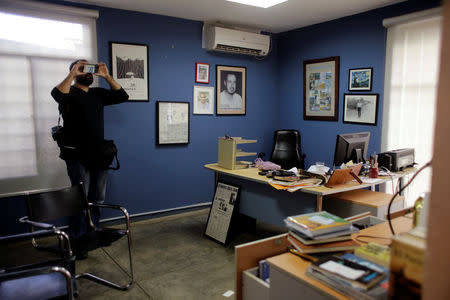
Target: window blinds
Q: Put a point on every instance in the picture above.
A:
(412, 66)
(37, 44)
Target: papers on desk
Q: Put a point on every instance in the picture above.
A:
(292, 186)
(370, 180)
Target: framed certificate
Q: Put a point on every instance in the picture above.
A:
(172, 122)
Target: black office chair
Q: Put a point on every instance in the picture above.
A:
(34, 276)
(46, 207)
(286, 150)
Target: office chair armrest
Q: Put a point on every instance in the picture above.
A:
(111, 206)
(36, 234)
(116, 207)
(41, 271)
(26, 235)
(37, 224)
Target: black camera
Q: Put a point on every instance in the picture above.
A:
(57, 133)
(90, 68)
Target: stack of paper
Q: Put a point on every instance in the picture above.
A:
(352, 276)
(292, 186)
(320, 232)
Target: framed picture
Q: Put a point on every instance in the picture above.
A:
(231, 90)
(202, 72)
(360, 79)
(221, 212)
(321, 89)
(361, 108)
(172, 122)
(129, 67)
(203, 100)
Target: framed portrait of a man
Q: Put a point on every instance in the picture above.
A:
(203, 100)
(231, 90)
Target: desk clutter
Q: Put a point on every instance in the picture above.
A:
(329, 253)
(329, 235)
(295, 179)
(292, 180)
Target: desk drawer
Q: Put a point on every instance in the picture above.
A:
(248, 255)
(254, 288)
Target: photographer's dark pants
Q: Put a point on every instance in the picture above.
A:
(94, 182)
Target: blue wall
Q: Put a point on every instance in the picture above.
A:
(359, 41)
(162, 177)
(159, 177)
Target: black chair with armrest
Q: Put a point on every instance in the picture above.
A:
(46, 207)
(286, 150)
(26, 276)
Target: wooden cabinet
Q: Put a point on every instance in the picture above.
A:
(287, 273)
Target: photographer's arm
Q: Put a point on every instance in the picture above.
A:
(104, 73)
(64, 86)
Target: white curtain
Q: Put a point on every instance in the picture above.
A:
(37, 44)
(412, 66)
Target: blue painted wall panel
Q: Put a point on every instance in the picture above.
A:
(156, 177)
(359, 41)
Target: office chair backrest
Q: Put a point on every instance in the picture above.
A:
(53, 205)
(286, 150)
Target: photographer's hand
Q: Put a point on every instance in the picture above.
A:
(77, 69)
(104, 73)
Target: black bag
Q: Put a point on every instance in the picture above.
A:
(58, 132)
(100, 158)
(68, 151)
(108, 153)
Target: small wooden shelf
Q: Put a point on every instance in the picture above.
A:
(228, 153)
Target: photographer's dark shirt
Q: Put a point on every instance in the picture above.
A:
(82, 113)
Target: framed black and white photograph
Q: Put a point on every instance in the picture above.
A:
(203, 100)
(231, 90)
(129, 67)
(361, 108)
(321, 89)
(202, 72)
(172, 122)
(221, 212)
(360, 79)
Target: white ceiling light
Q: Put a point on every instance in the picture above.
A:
(259, 3)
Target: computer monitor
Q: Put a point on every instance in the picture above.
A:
(351, 146)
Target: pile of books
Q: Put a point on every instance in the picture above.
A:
(352, 276)
(319, 236)
(320, 232)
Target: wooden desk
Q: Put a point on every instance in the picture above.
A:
(251, 174)
(287, 274)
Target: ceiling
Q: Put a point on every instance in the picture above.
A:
(279, 18)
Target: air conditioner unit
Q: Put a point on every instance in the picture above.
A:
(235, 41)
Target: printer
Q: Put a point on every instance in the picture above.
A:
(396, 160)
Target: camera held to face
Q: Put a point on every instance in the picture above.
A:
(90, 68)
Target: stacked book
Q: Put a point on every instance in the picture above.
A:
(352, 276)
(320, 232)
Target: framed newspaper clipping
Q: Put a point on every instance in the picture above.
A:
(221, 212)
